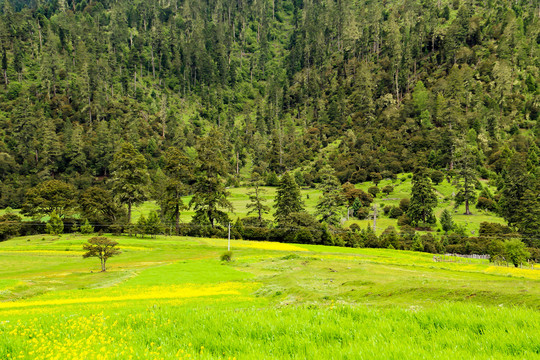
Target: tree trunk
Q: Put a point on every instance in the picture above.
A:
(467, 211)
(129, 213)
(177, 219)
(103, 265)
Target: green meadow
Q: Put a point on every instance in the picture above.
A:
(172, 298)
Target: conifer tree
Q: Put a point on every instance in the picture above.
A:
(256, 204)
(466, 181)
(178, 172)
(330, 205)
(129, 177)
(288, 199)
(446, 221)
(210, 196)
(423, 199)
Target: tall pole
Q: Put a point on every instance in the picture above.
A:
(229, 241)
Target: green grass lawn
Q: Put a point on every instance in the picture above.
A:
(171, 297)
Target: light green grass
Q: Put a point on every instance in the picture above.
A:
(167, 297)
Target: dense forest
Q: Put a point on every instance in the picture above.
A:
(366, 88)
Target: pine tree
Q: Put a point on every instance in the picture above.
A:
(178, 172)
(129, 177)
(516, 181)
(446, 221)
(210, 196)
(55, 225)
(256, 204)
(466, 181)
(423, 199)
(330, 206)
(288, 199)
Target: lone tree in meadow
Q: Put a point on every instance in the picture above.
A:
(102, 248)
(423, 199)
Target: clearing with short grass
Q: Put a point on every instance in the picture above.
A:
(172, 298)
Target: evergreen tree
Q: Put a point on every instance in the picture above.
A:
(516, 181)
(55, 225)
(423, 199)
(129, 177)
(288, 199)
(466, 181)
(256, 204)
(529, 220)
(178, 172)
(330, 206)
(446, 221)
(210, 196)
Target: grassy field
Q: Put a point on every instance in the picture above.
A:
(402, 189)
(171, 298)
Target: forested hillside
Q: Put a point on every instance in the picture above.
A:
(370, 88)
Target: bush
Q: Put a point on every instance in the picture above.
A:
(404, 205)
(395, 212)
(486, 204)
(362, 213)
(387, 189)
(226, 256)
(374, 191)
(10, 226)
(437, 177)
(387, 209)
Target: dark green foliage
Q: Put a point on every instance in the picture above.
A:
(404, 204)
(210, 196)
(374, 190)
(10, 226)
(49, 196)
(99, 206)
(288, 200)
(437, 177)
(486, 204)
(178, 172)
(423, 199)
(387, 189)
(466, 180)
(330, 207)
(226, 256)
(395, 212)
(129, 177)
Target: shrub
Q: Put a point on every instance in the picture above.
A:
(437, 177)
(486, 204)
(395, 212)
(387, 209)
(226, 256)
(362, 213)
(387, 189)
(404, 204)
(374, 191)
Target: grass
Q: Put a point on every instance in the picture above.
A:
(171, 297)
